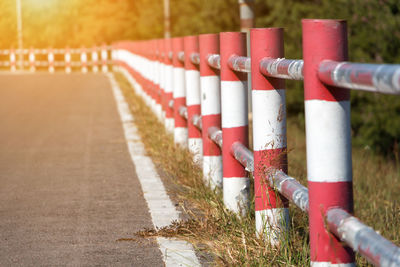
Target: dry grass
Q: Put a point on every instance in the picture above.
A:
(232, 240)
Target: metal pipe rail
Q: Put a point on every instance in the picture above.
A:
(240, 64)
(171, 103)
(215, 134)
(195, 58)
(243, 155)
(181, 56)
(214, 60)
(289, 187)
(379, 78)
(183, 112)
(289, 69)
(196, 120)
(362, 238)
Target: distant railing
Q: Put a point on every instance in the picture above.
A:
(200, 92)
(68, 59)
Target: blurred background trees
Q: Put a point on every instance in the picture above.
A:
(374, 36)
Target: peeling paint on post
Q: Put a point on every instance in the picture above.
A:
(269, 135)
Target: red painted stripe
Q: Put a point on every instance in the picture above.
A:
(209, 44)
(209, 147)
(260, 39)
(232, 43)
(321, 197)
(323, 39)
(169, 111)
(157, 94)
(265, 196)
(232, 167)
(191, 45)
(193, 131)
(179, 120)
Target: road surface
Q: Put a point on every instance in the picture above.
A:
(68, 189)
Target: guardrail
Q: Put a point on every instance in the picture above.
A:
(209, 81)
(68, 58)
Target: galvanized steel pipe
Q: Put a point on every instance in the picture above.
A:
(289, 187)
(215, 134)
(362, 239)
(380, 78)
(214, 60)
(195, 58)
(197, 121)
(290, 69)
(243, 155)
(241, 64)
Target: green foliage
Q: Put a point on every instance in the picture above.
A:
(75, 23)
(191, 17)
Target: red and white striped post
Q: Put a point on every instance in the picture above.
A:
(210, 110)
(329, 166)
(104, 56)
(67, 59)
(161, 54)
(32, 60)
(234, 112)
(269, 134)
(13, 58)
(50, 58)
(169, 112)
(83, 60)
(153, 88)
(180, 130)
(95, 60)
(157, 90)
(192, 79)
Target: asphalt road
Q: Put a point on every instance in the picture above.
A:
(68, 188)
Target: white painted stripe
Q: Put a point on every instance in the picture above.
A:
(236, 193)
(195, 146)
(163, 212)
(157, 78)
(181, 136)
(158, 111)
(169, 125)
(328, 264)
(234, 104)
(269, 119)
(169, 86)
(328, 141)
(177, 253)
(210, 95)
(272, 223)
(192, 78)
(212, 171)
(161, 74)
(179, 82)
